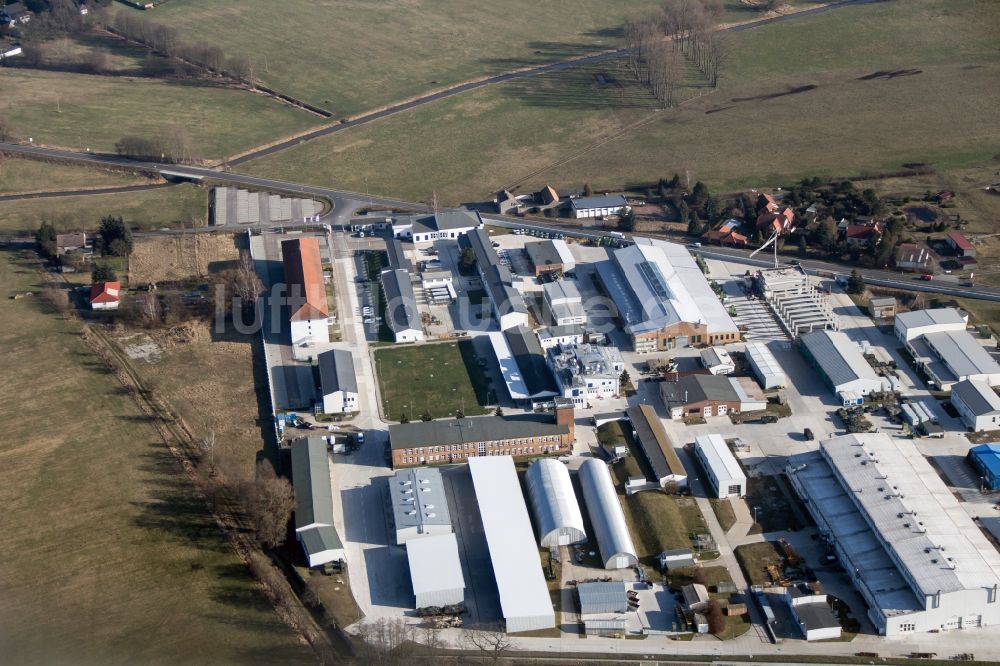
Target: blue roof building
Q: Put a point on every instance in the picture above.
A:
(986, 458)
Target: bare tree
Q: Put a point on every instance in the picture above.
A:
(97, 61)
(240, 68)
(246, 282)
(58, 298)
(718, 51)
(34, 54)
(149, 304)
(716, 620)
(386, 641)
(491, 641)
(268, 502)
(208, 450)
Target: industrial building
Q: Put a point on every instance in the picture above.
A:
(586, 372)
(396, 255)
(603, 608)
(842, 365)
(306, 292)
(977, 404)
(553, 502)
(724, 473)
(314, 503)
(517, 568)
(401, 306)
(562, 304)
(676, 558)
(913, 324)
(599, 206)
(911, 550)
(338, 383)
(444, 441)
(986, 459)
(419, 504)
(550, 256)
(663, 299)
(795, 300)
(711, 395)
(717, 361)
(436, 571)
(765, 366)
(551, 336)
(523, 366)
(813, 615)
(606, 516)
(953, 356)
(427, 228)
(656, 447)
(506, 302)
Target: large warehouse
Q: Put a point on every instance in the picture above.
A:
(724, 472)
(950, 357)
(912, 551)
(663, 299)
(842, 364)
(524, 596)
(419, 505)
(606, 516)
(913, 324)
(554, 504)
(435, 571)
(314, 503)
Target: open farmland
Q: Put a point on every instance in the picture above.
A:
(437, 378)
(81, 111)
(553, 129)
(109, 557)
(17, 176)
(185, 205)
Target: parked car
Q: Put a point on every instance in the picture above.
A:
(927, 277)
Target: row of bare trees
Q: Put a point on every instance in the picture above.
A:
(172, 144)
(392, 642)
(662, 44)
(167, 41)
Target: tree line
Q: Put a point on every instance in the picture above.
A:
(661, 44)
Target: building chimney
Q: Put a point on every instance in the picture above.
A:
(564, 413)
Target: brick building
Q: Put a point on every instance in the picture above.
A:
(447, 441)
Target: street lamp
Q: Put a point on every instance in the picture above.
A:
(754, 515)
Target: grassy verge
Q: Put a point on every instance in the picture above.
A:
(754, 558)
(432, 377)
(185, 205)
(724, 512)
(18, 176)
(109, 557)
(81, 111)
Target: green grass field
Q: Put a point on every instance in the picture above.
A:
(145, 209)
(439, 378)
(81, 111)
(109, 557)
(32, 176)
(566, 130)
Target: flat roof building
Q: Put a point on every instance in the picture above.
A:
(656, 446)
(725, 475)
(606, 516)
(306, 291)
(842, 364)
(524, 596)
(553, 502)
(550, 256)
(419, 504)
(562, 304)
(401, 306)
(765, 366)
(586, 372)
(977, 404)
(551, 336)
(436, 571)
(663, 299)
(429, 227)
(917, 558)
(523, 366)
(717, 361)
(314, 503)
(338, 383)
(909, 325)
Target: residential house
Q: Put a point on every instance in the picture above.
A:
(506, 202)
(70, 243)
(777, 221)
(727, 234)
(862, 234)
(105, 295)
(16, 13)
(547, 197)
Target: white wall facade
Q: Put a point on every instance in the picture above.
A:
(340, 401)
(409, 335)
(512, 320)
(310, 331)
(440, 598)
(111, 305)
(977, 422)
(324, 556)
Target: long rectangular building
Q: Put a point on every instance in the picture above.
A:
(506, 302)
(842, 364)
(419, 504)
(723, 470)
(314, 503)
(910, 548)
(656, 446)
(524, 596)
(663, 299)
(401, 306)
(306, 291)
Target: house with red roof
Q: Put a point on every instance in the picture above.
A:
(105, 295)
(860, 234)
(771, 222)
(727, 234)
(307, 303)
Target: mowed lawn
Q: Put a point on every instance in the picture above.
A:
(81, 111)
(147, 209)
(18, 176)
(438, 378)
(108, 557)
(567, 130)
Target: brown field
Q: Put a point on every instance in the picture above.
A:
(19, 176)
(172, 258)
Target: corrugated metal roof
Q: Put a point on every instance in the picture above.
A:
(304, 279)
(401, 304)
(606, 515)
(977, 396)
(654, 442)
(988, 455)
(604, 597)
(397, 257)
(320, 539)
(418, 498)
(554, 502)
(717, 455)
(935, 316)
(336, 371)
(517, 566)
(763, 359)
(311, 482)
(838, 357)
(434, 564)
(962, 354)
(478, 429)
(606, 201)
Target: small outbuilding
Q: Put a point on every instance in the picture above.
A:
(105, 295)
(338, 383)
(986, 459)
(678, 558)
(765, 366)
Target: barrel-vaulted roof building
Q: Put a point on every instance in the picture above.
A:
(557, 513)
(606, 516)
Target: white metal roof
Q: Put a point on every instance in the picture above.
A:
(763, 359)
(839, 357)
(962, 354)
(553, 500)
(507, 527)
(605, 511)
(434, 564)
(717, 455)
(934, 317)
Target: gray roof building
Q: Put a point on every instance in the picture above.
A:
(550, 253)
(604, 201)
(320, 539)
(698, 388)
(419, 504)
(478, 429)
(311, 481)
(436, 571)
(841, 361)
(606, 516)
(977, 396)
(553, 502)
(336, 371)
(530, 359)
(397, 257)
(497, 280)
(401, 304)
(603, 597)
(656, 446)
(440, 221)
(955, 355)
